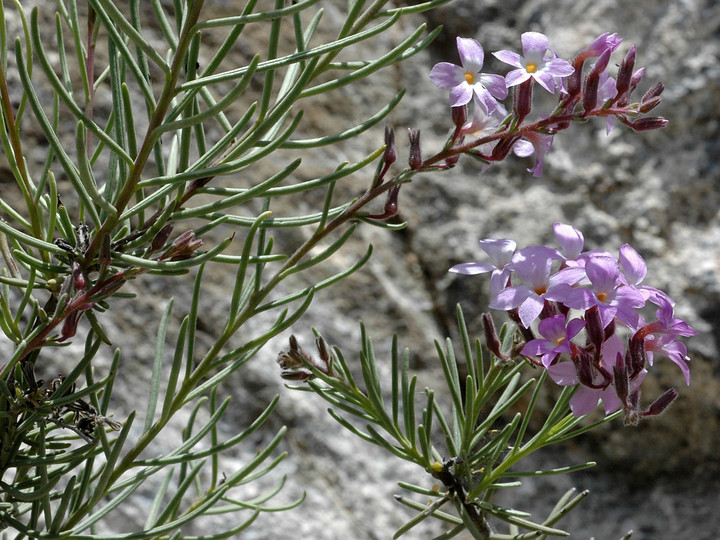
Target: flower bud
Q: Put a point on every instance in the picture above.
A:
(594, 328)
(573, 82)
(296, 374)
(583, 365)
(415, 160)
(590, 92)
(636, 78)
(649, 105)
(602, 63)
(390, 154)
(324, 354)
(522, 102)
(503, 147)
(70, 325)
(161, 237)
(79, 281)
(660, 404)
(459, 115)
(492, 341)
(620, 378)
(646, 124)
(625, 72)
(653, 92)
(452, 160)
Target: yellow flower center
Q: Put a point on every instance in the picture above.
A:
(602, 297)
(531, 68)
(560, 340)
(470, 77)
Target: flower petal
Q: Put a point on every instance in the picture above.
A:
(509, 57)
(570, 239)
(461, 94)
(563, 373)
(495, 84)
(559, 67)
(633, 265)
(447, 75)
(472, 268)
(516, 76)
(471, 54)
(534, 43)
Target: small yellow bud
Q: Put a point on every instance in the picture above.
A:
(437, 467)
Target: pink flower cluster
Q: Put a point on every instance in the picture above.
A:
(580, 95)
(589, 307)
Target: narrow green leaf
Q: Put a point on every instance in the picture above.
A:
(154, 390)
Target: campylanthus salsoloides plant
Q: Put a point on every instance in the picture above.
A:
(583, 319)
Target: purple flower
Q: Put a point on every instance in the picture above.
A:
(613, 298)
(557, 334)
(670, 328)
(534, 143)
(538, 62)
(483, 123)
(533, 265)
(466, 80)
(602, 43)
(500, 253)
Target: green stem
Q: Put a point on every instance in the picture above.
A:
(151, 136)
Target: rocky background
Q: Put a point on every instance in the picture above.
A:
(657, 191)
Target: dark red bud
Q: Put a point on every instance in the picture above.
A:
(602, 63)
(625, 72)
(653, 92)
(590, 92)
(415, 160)
(391, 205)
(646, 124)
(503, 147)
(594, 328)
(522, 102)
(636, 353)
(573, 82)
(70, 326)
(660, 404)
(583, 366)
(452, 160)
(620, 378)
(79, 281)
(296, 374)
(492, 341)
(459, 115)
(161, 237)
(650, 104)
(636, 78)
(390, 154)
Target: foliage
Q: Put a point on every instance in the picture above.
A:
(122, 200)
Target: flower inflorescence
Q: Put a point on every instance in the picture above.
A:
(582, 93)
(588, 308)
